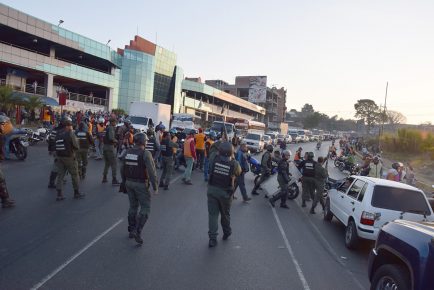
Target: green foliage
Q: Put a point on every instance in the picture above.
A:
(7, 101)
(119, 111)
(409, 141)
(33, 103)
(368, 111)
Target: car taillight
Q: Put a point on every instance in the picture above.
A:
(367, 218)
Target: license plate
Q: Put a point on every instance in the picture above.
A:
(25, 143)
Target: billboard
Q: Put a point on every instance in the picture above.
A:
(258, 89)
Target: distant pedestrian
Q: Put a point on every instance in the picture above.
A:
(190, 157)
(242, 160)
(200, 148)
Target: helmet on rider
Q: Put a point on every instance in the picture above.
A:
(395, 165)
(173, 131)
(4, 119)
(140, 139)
(287, 154)
(213, 135)
(101, 120)
(226, 149)
(299, 149)
(269, 148)
(310, 156)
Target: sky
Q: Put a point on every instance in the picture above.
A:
(326, 53)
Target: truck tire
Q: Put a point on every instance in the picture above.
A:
(328, 215)
(351, 237)
(391, 276)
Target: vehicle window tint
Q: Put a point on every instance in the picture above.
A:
(362, 192)
(344, 186)
(399, 199)
(356, 188)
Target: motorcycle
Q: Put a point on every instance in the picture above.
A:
(339, 160)
(255, 168)
(353, 169)
(293, 189)
(18, 146)
(332, 155)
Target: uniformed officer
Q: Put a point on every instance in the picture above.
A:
(139, 171)
(223, 171)
(7, 202)
(321, 175)
(52, 152)
(109, 152)
(84, 140)
(166, 148)
(151, 144)
(66, 147)
(307, 168)
(283, 179)
(265, 168)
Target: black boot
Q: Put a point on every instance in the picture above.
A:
(83, 172)
(312, 211)
(141, 221)
(161, 185)
(7, 203)
(78, 195)
(51, 183)
(60, 196)
(132, 226)
(212, 243)
(104, 179)
(115, 181)
(303, 204)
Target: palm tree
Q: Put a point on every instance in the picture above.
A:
(33, 103)
(7, 100)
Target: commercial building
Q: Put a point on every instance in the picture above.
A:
(44, 59)
(254, 89)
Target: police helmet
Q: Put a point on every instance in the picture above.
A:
(173, 131)
(287, 153)
(269, 148)
(140, 139)
(101, 120)
(226, 149)
(310, 155)
(4, 119)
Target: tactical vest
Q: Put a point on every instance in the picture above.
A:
(222, 172)
(135, 167)
(309, 168)
(64, 144)
(165, 149)
(150, 145)
(52, 139)
(82, 139)
(106, 136)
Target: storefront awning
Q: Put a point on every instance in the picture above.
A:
(44, 99)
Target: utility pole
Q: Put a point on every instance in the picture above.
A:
(383, 117)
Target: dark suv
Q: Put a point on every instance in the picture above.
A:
(403, 257)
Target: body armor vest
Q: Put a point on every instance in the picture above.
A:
(63, 144)
(309, 168)
(82, 139)
(166, 150)
(221, 173)
(135, 167)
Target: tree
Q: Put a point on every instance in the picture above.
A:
(394, 118)
(311, 121)
(33, 103)
(307, 110)
(368, 111)
(7, 100)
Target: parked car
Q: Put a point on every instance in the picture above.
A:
(267, 140)
(273, 137)
(403, 257)
(288, 139)
(364, 204)
(255, 142)
(295, 137)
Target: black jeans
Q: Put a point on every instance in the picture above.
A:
(200, 158)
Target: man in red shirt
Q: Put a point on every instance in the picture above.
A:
(190, 156)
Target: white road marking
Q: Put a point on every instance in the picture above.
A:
(290, 251)
(71, 259)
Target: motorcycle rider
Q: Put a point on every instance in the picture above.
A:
(224, 170)
(321, 175)
(332, 150)
(266, 167)
(307, 168)
(5, 128)
(84, 140)
(139, 172)
(376, 167)
(66, 147)
(283, 180)
(167, 147)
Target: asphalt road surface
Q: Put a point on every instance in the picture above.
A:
(83, 244)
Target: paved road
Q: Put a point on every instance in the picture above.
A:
(83, 244)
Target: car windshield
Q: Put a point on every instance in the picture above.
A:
(217, 127)
(266, 137)
(300, 132)
(139, 120)
(399, 199)
(253, 136)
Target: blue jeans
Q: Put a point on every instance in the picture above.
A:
(240, 183)
(188, 169)
(98, 148)
(205, 168)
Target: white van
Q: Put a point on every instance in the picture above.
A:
(255, 141)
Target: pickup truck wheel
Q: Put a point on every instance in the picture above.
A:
(328, 215)
(391, 276)
(351, 237)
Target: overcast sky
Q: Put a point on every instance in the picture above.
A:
(326, 53)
